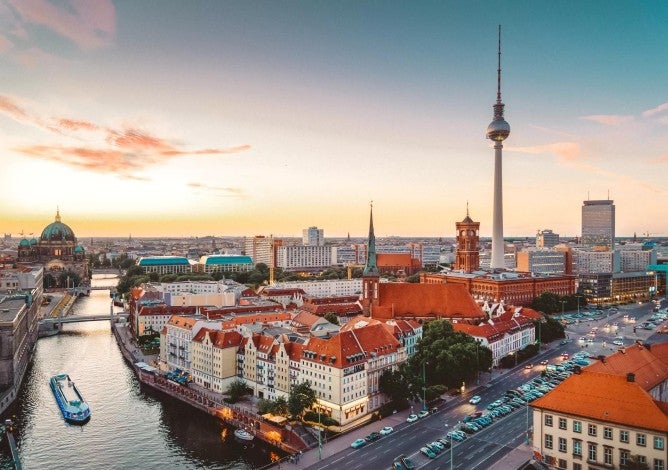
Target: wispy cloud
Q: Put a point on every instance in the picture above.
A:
(5, 44)
(552, 131)
(230, 192)
(123, 151)
(89, 24)
(659, 109)
(564, 150)
(609, 119)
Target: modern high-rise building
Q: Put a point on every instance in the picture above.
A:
(598, 223)
(498, 131)
(313, 236)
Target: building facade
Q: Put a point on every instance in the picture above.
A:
(468, 245)
(546, 238)
(313, 236)
(541, 261)
(598, 223)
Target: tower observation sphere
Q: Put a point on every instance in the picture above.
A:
(498, 130)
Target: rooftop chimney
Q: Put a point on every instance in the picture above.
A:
(630, 377)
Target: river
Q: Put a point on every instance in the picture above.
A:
(131, 426)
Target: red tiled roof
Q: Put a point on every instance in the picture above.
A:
(605, 397)
(220, 339)
(384, 260)
(294, 350)
(649, 369)
(376, 338)
(339, 351)
(423, 300)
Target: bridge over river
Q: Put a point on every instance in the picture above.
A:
(52, 325)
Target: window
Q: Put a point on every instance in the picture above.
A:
(548, 441)
(562, 464)
(607, 433)
(591, 430)
(562, 444)
(577, 426)
(607, 455)
(658, 442)
(548, 420)
(577, 466)
(624, 436)
(640, 439)
(623, 457)
(562, 423)
(577, 447)
(658, 464)
(591, 455)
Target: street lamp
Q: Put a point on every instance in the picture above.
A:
(563, 302)
(452, 445)
(527, 435)
(424, 387)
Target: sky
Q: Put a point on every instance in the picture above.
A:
(248, 117)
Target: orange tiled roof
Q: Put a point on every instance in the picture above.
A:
(294, 350)
(220, 339)
(606, 397)
(305, 319)
(422, 300)
(182, 322)
(376, 338)
(649, 369)
(359, 322)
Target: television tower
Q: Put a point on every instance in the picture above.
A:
(498, 131)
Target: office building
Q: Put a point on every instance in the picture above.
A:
(598, 223)
(313, 236)
(546, 238)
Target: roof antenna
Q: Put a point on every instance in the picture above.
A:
(498, 70)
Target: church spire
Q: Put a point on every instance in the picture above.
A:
(57, 214)
(371, 268)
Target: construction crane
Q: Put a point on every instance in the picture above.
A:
(350, 267)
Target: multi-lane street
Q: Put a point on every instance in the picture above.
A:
(490, 444)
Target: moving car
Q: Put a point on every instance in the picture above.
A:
(529, 366)
(423, 413)
(374, 436)
(357, 443)
(412, 418)
(386, 430)
(475, 400)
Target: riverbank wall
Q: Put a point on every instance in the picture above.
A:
(282, 438)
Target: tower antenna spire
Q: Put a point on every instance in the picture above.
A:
(498, 72)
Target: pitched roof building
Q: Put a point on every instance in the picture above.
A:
(602, 415)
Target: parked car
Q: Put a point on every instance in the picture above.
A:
(407, 463)
(357, 443)
(374, 436)
(412, 418)
(386, 430)
(475, 400)
(423, 413)
(428, 452)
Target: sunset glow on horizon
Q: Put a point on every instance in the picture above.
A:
(247, 118)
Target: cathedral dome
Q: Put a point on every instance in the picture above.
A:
(57, 231)
(24, 242)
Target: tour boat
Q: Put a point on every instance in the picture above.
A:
(243, 435)
(72, 405)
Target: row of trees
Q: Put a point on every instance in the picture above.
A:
(549, 303)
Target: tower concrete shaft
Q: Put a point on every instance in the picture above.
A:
(497, 261)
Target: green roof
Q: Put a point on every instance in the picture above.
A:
(227, 259)
(163, 261)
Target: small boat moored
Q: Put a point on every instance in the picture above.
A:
(72, 405)
(243, 435)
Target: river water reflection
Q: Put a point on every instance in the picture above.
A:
(131, 426)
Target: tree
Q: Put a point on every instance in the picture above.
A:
(237, 390)
(217, 275)
(396, 385)
(332, 317)
(634, 463)
(414, 278)
(549, 330)
(301, 397)
(449, 357)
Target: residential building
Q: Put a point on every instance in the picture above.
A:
(634, 259)
(303, 257)
(214, 358)
(605, 413)
(328, 288)
(262, 249)
(313, 236)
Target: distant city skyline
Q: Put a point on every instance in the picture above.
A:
(247, 118)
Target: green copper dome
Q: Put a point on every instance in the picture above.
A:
(57, 231)
(24, 242)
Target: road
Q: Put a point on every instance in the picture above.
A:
(489, 445)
